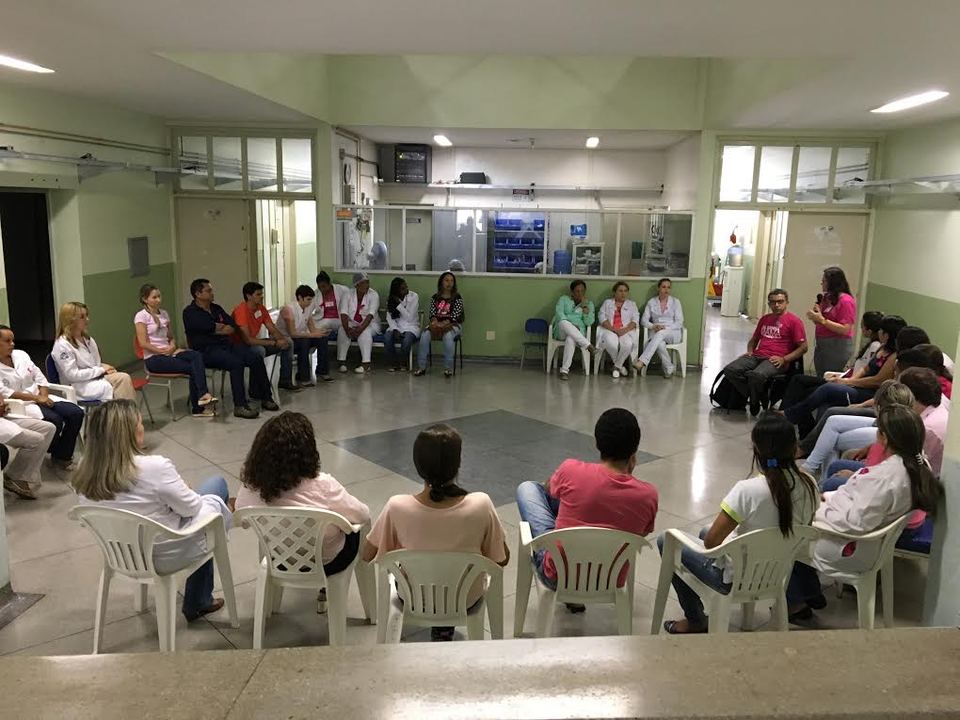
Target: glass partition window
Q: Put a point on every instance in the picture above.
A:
(775, 170)
(798, 174)
(813, 175)
(227, 164)
(736, 173)
(538, 242)
(262, 164)
(853, 164)
(297, 168)
(194, 164)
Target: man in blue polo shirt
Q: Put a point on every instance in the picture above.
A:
(209, 327)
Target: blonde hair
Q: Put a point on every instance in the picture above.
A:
(892, 392)
(69, 312)
(111, 445)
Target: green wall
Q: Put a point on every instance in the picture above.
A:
(503, 304)
(940, 318)
(113, 298)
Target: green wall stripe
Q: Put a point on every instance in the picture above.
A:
(940, 318)
(113, 301)
(503, 304)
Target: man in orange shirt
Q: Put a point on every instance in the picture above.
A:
(251, 316)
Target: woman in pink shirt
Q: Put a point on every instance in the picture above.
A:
(283, 469)
(442, 516)
(835, 315)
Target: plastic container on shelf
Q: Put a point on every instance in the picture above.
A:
(562, 262)
(539, 224)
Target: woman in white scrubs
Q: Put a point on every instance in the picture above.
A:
(78, 362)
(663, 318)
(359, 320)
(619, 319)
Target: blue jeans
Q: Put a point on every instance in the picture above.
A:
(185, 362)
(704, 570)
(539, 510)
(198, 590)
(804, 584)
(826, 396)
(286, 360)
(233, 359)
(449, 348)
(833, 480)
(407, 340)
(302, 348)
(68, 419)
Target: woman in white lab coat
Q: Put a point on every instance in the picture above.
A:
(618, 320)
(872, 498)
(326, 305)
(30, 437)
(78, 362)
(403, 324)
(115, 473)
(663, 318)
(21, 380)
(359, 321)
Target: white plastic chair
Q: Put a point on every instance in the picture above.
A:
(602, 354)
(761, 563)
(680, 348)
(553, 345)
(588, 561)
(431, 588)
(865, 583)
(290, 538)
(127, 541)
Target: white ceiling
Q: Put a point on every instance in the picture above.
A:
(506, 138)
(106, 48)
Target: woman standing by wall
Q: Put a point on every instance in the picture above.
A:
(835, 315)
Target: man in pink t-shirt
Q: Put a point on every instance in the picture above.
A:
(778, 340)
(603, 494)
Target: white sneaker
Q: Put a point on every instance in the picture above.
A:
(616, 374)
(359, 370)
(343, 368)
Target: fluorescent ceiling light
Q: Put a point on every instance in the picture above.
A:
(17, 64)
(912, 101)
(593, 142)
(442, 140)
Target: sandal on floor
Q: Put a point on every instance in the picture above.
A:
(211, 608)
(671, 627)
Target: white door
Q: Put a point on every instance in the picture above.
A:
(815, 241)
(213, 242)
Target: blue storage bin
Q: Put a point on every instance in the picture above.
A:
(539, 224)
(562, 262)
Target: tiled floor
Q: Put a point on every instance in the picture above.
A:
(365, 426)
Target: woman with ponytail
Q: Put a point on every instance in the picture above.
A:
(442, 516)
(872, 498)
(780, 495)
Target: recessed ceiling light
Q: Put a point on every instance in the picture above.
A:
(18, 64)
(593, 142)
(442, 140)
(912, 101)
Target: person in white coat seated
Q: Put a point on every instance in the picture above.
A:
(326, 305)
(663, 318)
(619, 318)
(30, 437)
(872, 498)
(359, 321)
(77, 359)
(403, 324)
(115, 473)
(21, 380)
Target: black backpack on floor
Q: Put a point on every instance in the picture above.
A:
(724, 395)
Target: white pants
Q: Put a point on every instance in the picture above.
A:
(572, 339)
(619, 348)
(331, 324)
(31, 443)
(365, 341)
(658, 344)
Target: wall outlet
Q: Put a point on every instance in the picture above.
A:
(491, 334)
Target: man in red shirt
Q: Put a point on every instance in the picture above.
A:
(779, 339)
(251, 315)
(603, 494)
